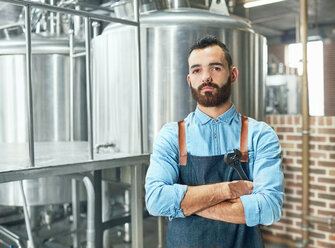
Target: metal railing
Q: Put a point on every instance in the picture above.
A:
(88, 17)
(136, 171)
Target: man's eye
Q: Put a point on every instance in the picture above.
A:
(217, 68)
(195, 71)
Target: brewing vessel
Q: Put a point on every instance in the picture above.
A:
(166, 36)
(59, 114)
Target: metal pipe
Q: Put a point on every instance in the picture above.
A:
(26, 217)
(297, 27)
(136, 171)
(79, 55)
(66, 3)
(90, 229)
(105, 6)
(70, 11)
(161, 232)
(29, 87)
(75, 213)
(305, 124)
(77, 22)
(11, 25)
(330, 221)
(257, 93)
(96, 26)
(33, 214)
(70, 168)
(127, 237)
(52, 19)
(90, 212)
(136, 210)
(138, 41)
(71, 51)
(58, 23)
(6, 34)
(110, 5)
(11, 236)
(89, 86)
(97, 183)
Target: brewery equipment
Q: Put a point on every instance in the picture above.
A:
(56, 125)
(166, 36)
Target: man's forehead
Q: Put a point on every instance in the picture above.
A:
(207, 55)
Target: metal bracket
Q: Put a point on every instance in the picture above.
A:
(330, 221)
(308, 131)
(305, 228)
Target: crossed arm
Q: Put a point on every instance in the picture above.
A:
(218, 201)
(166, 197)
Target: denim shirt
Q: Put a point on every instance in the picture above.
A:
(206, 136)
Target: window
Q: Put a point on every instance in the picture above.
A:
(315, 73)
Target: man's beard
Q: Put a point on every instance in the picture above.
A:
(212, 98)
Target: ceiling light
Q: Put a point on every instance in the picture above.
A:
(260, 3)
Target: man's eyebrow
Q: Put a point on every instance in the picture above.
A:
(193, 66)
(216, 63)
(210, 64)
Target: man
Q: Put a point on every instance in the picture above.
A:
(188, 181)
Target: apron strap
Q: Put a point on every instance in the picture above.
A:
(244, 139)
(182, 143)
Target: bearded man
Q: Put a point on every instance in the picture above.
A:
(188, 181)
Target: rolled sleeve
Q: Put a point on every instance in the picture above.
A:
(264, 205)
(163, 193)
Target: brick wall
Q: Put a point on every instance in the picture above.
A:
(278, 51)
(322, 178)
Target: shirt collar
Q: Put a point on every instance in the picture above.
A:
(225, 117)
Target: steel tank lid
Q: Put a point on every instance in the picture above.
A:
(192, 16)
(187, 16)
(39, 45)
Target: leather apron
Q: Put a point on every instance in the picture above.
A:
(198, 232)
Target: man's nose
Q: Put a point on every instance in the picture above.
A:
(206, 76)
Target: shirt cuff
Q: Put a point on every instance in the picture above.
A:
(251, 210)
(176, 211)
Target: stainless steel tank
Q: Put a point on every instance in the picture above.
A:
(116, 115)
(116, 91)
(55, 104)
(166, 36)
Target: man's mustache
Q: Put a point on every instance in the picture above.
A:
(208, 85)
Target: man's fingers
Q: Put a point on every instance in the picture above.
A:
(241, 187)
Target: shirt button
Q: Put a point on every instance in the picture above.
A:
(214, 135)
(214, 121)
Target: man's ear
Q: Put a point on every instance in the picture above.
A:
(233, 74)
(188, 79)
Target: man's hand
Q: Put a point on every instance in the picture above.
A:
(239, 188)
(198, 198)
